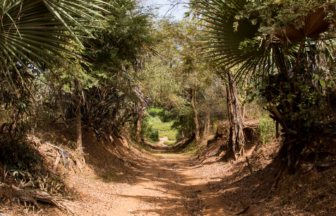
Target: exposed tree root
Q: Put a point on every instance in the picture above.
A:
(32, 196)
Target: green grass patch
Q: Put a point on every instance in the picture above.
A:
(164, 128)
(157, 124)
(169, 143)
(170, 134)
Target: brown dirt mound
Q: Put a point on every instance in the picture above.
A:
(109, 160)
(217, 147)
(267, 191)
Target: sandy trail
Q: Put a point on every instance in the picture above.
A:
(162, 140)
(167, 186)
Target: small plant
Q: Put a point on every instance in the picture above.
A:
(266, 129)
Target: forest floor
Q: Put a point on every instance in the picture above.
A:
(136, 182)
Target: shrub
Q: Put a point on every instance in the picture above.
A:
(153, 136)
(154, 111)
(266, 129)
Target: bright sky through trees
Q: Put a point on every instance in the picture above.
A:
(166, 7)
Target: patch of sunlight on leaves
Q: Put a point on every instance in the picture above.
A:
(169, 143)
(170, 134)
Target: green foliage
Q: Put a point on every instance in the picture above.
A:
(266, 129)
(154, 111)
(182, 118)
(162, 128)
(169, 143)
(153, 136)
(38, 34)
(147, 130)
(170, 134)
(157, 124)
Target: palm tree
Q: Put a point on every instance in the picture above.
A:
(36, 34)
(286, 56)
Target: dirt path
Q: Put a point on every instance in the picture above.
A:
(162, 140)
(167, 186)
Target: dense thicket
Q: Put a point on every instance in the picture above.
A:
(288, 48)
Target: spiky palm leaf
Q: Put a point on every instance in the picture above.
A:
(38, 32)
(225, 41)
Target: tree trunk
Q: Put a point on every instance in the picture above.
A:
(206, 132)
(80, 152)
(236, 140)
(244, 107)
(139, 123)
(197, 127)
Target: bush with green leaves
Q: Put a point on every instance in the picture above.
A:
(153, 136)
(154, 111)
(266, 129)
(147, 130)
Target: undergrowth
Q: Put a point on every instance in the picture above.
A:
(157, 128)
(26, 165)
(157, 124)
(169, 143)
(266, 130)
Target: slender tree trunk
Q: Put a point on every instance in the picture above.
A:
(139, 123)
(197, 127)
(244, 107)
(80, 152)
(206, 132)
(236, 140)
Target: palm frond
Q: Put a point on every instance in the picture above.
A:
(225, 41)
(40, 31)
